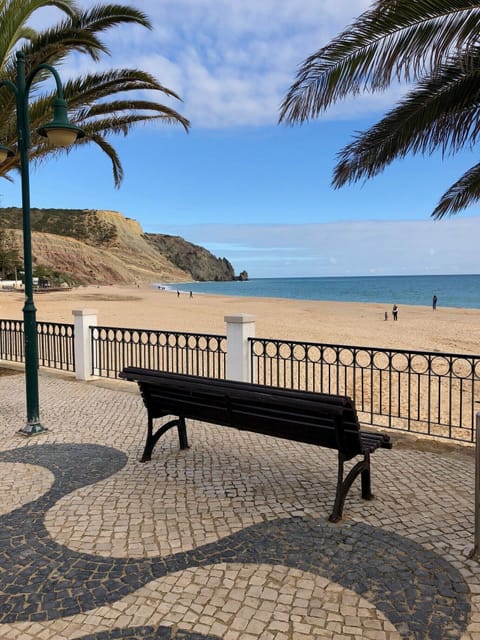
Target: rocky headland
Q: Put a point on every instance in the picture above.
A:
(105, 247)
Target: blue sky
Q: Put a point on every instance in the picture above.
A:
(241, 185)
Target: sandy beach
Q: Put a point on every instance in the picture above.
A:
(446, 330)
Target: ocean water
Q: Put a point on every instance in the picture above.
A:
(451, 290)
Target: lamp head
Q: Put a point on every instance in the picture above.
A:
(60, 132)
(5, 152)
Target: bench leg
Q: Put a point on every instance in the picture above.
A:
(150, 442)
(153, 437)
(182, 434)
(365, 479)
(336, 514)
(343, 485)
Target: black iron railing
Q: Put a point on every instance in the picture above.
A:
(12, 340)
(421, 392)
(54, 340)
(56, 345)
(196, 354)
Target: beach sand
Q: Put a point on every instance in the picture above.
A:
(446, 330)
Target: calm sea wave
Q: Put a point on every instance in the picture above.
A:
(451, 290)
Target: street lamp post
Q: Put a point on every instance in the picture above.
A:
(59, 133)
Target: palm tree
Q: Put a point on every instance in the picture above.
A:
(97, 101)
(433, 44)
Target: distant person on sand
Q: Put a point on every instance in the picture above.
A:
(191, 294)
(394, 311)
(178, 294)
(434, 303)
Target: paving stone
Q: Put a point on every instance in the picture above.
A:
(228, 539)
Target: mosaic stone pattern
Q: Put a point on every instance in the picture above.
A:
(419, 592)
(227, 540)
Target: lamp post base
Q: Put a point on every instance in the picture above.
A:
(32, 430)
(472, 553)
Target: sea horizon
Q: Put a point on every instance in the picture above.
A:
(452, 290)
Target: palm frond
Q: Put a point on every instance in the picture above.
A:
(97, 85)
(27, 33)
(441, 113)
(400, 40)
(80, 32)
(14, 16)
(106, 147)
(136, 107)
(465, 192)
(42, 152)
(120, 124)
(90, 96)
(102, 17)
(55, 44)
(99, 119)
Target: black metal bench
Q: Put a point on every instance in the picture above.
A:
(324, 420)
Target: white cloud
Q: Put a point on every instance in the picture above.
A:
(344, 248)
(231, 61)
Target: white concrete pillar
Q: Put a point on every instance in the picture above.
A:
(239, 329)
(83, 319)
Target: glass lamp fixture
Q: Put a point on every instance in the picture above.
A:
(60, 132)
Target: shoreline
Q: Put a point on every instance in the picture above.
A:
(385, 305)
(453, 291)
(447, 330)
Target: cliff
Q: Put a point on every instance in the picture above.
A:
(197, 261)
(105, 247)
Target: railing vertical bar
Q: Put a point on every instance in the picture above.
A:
(472, 394)
(399, 393)
(450, 396)
(371, 387)
(460, 405)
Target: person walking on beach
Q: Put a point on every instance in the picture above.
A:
(394, 311)
(434, 302)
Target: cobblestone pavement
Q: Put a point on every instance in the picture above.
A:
(226, 540)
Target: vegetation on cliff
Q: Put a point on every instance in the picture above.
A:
(82, 224)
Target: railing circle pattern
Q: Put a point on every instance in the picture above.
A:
(199, 354)
(425, 392)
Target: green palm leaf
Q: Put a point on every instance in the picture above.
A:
(441, 113)
(399, 40)
(97, 85)
(432, 43)
(102, 17)
(461, 194)
(111, 153)
(14, 16)
(89, 97)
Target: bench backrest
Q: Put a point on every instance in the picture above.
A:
(315, 418)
